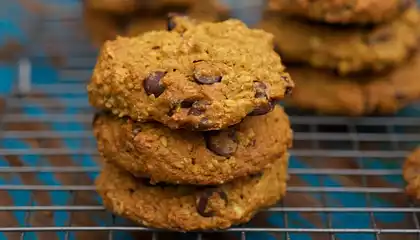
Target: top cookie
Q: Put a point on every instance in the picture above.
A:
(343, 11)
(204, 76)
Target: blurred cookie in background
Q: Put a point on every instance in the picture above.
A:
(346, 49)
(131, 6)
(343, 11)
(101, 26)
(207, 10)
(325, 92)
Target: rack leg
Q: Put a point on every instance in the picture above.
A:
(24, 76)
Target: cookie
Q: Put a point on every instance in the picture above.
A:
(325, 92)
(199, 76)
(131, 6)
(184, 157)
(343, 11)
(205, 10)
(411, 174)
(100, 26)
(188, 207)
(345, 49)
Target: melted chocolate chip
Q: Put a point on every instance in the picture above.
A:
(223, 143)
(260, 90)
(203, 200)
(262, 109)
(198, 108)
(152, 84)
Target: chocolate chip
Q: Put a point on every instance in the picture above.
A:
(187, 103)
(198, 108)
(223, 143)
(262, 109)
(257, 175)
(203, 200)
(152, 84)
(206, 73)
(206, 79)
(288, 90)
(260, 90)
(379, 37)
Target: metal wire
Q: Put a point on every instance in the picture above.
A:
(340, 170)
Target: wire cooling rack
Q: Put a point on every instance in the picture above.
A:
(345, 173)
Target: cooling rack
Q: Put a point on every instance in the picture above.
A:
(345, 173)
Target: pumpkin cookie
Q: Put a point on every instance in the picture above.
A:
(325, 92)
(199, 76)
(346, 49)
(188, 207)
(202, 158)
(343, 11)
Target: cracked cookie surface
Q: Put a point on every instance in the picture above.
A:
(199, 76)
(343, 11)
(324, 92)
(187, 207)
(346, 49)
(184, 157)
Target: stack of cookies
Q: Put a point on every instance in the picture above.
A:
(189, 131)
(351, 57)
(105, 20)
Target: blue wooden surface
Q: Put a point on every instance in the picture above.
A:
(8, 28)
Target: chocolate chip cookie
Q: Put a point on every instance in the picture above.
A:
(343, 11)
(204, 10)
(183, 157)
(325, 92)
(345, 48)
(411, 173)
(188, 207)
(199, 76)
